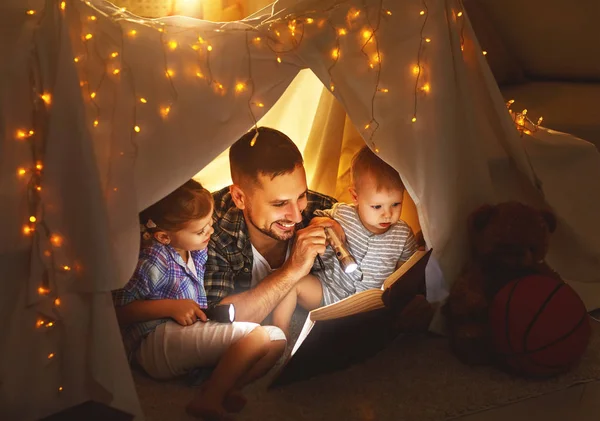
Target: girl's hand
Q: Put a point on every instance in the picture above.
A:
(186, 312)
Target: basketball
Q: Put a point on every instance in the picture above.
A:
(539, 326)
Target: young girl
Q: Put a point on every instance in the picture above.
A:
(161, 309)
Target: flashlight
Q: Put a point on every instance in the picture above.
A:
(224, 313)
(347, 262)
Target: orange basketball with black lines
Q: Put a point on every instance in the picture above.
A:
(539, 326)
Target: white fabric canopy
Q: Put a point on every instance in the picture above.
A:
(109, 148)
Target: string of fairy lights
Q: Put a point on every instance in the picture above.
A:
(283, 35)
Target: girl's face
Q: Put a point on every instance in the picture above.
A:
(195, 235)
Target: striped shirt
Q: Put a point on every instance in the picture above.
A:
(160, 274)
(377, 255)
(230, 258)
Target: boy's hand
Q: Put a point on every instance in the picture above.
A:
(186, 312)
(324, 221)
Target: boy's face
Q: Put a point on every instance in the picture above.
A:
(377, 210)
(274, 207)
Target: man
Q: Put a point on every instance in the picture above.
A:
(251, 261)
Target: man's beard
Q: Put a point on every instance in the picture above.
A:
(270, 232)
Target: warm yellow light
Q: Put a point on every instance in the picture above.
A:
(240, 87)
(63, 5)
(540, 120)
(376, 150)
(170, 73)
(384, 90)
(342, 32)
(425, 87)
(260, 104)
(220, 86)
(278, 59)
(93, 95)
(309, 20)
(143, 100)
(43, 291)
(31, 132)
(27, 230)
(414, 119)
(161, 30)
(335, 54)
(195, 47)
(367, 126)
(66, 268)
(200, 75)
(366, 34)
(462, 48)
(209, 48)
(164, 111)
(96, 122)
(526, 131)
(92, 17)
(32, 219)
(332, 87)
(416, 70)
(49, 324)
(201, 40)
(256, 40)
(427, 39)
(485, 53)
(31, 12)
(39, 166)
(88, 36)
(57, 302)
(76, 59)
(376, 57)
(50, 356)
(21, 171)
(39, 323)
(60, 388)
(387, 12)
(21, 134)
(511, 101)
(173, 45)
(116, 72)
(115, 189)
(137, 129)
(459, 14)
(132, 32)
(56, 240)
(422, 12)
(115, 54)
(524, 112)
(47, 98)
(38, 188)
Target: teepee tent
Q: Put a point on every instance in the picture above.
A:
(104, 112)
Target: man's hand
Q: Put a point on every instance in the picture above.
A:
(309, 242)
(186, 312)
(323, 221)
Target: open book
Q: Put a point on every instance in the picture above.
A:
(355, 328)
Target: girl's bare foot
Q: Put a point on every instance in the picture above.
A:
(206, 407)
(234, 401)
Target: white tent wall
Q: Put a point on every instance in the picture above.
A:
(462, 150)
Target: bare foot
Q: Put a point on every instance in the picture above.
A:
(234, 402)
(206, 408)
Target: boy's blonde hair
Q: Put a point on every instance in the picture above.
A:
(367, 162)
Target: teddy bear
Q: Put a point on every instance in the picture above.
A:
(508, 240)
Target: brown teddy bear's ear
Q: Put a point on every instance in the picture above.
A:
(480, 218)
(550, 220)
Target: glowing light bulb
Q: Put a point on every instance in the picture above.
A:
(92, 17)
(201, 40)
(116, 71)
(49, 324)
(384, 90)
(43, 291)
(387, 12)
(21, 134)
(38, 188)
(50, 356)
(96, 122)
(209, 48)
(427, 39)
(60, 388)
(39, 166)
(165, 111)
(47, 98)
(93, 95)
(414, 119)
(459, 14)
(540, 120)
(169, 73)
(21, 172)
(115, 54)
(260, 104)
(309, 20)
(27, 230)
(200, 75)
(426, 87)
(32, 219)
(143, 100)
(137, 129)
(57, 302)
(367, 34)
(278, 59)
(484, 53)
(66, 268)
(335, 54)
(31, 12)
(416, 70)
(342, 32)
(132, 32)
(367, 126)
(256, 40)
(422, 12)
(56, 240)
(39, 323)
(76, 59)
(63, 5)
(332, 87)
(240, 87)
(173, 45)
(88, 37)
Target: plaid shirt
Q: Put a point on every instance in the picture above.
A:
(160, 274)
(229, 265)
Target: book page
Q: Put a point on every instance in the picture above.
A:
(308, 325)
(403, 269)
(357, 303)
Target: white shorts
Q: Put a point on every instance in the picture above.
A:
(172, 350)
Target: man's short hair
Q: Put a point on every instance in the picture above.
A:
(366, 162)
(271, 153)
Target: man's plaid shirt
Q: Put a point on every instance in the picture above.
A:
(229, 264)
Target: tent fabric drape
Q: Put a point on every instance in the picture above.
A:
(148, 103)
